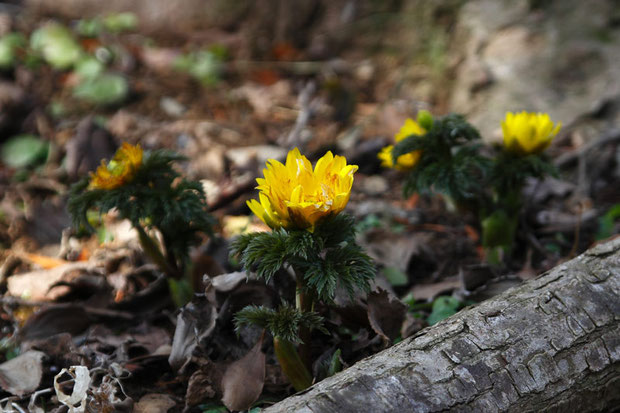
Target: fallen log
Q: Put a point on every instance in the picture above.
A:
(550, 344)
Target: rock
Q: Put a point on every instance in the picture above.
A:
(244, 158)
(515, 57)
(364, 71)
(264, 98)
(375, 185)
(172, 107)
(209, 164)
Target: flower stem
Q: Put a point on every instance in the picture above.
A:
(153, 250)
(291, 364)
(303, 303)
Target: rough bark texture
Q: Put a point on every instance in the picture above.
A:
(551, 344)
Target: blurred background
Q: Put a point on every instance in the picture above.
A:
(231, 84)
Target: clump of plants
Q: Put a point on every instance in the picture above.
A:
(168, 211)
(445, 155)
(56, 45)
(311, 238)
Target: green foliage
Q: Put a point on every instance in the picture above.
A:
(206, 66)
(89, 27)
(181, 291)
(328, 259)
(283, 323)
(443, 307)
(509, 171)
(9, 45)
(331, 365)
(120, 22)
(89, 67)
(395, 277)
(606, 223)
(156, 197)
(23, 151)
(498, 229)
(449, 163)
(102, 89)
(56, 45)
(114, 23)
(452, 163)
(9, 348)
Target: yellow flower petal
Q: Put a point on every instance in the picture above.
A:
(409, 160)
(120, 170)
(294, 195)
(528, 133)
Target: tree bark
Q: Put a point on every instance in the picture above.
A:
(551, 344)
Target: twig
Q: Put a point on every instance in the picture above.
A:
(33, 397)
(307, 107)
(610, 136)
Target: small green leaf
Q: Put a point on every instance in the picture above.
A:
(9, 43)
(56, 109)
(395, 276)
(335, 365)
(89, 67)
(181, 291)
(606, 223)
(425, 119)
(24, 150)
(105, 89)
(213, 408)
(443, 307)
(204, 65)
(89, 27)
(55, 43)
(120, 22)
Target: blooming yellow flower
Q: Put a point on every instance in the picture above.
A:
(408, 160)
(528, 133)
(294, 196)
(120, 170)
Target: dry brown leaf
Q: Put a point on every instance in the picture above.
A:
(243, 380)
(195, 322)
(68, 318)
(204, 384)
(22, 374)
(386, 314)
(36, 285)
(424, 292)
(227, 282)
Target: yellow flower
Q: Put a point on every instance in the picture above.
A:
(294, 196)
(407, 161)
(528, 133)
(120, 170)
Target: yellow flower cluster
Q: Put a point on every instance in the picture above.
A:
(120, 170)
(294, 196)
(528, 133)
(407, 161)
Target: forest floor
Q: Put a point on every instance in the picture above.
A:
(97, 301)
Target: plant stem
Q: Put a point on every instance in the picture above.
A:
(303, 303)
(153, 250)
(291, 363)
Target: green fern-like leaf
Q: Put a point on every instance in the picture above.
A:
(327, 259)
(157, 197)
(283, 323)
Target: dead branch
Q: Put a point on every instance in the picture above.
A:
(551, 344)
